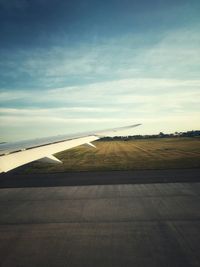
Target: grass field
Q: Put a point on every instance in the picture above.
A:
(126, 155)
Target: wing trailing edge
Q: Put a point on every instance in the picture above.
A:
(11, 159)
(19, 158)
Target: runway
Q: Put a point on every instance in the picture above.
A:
(133, 224)
(16, 179)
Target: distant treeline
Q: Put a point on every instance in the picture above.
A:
(160, 135)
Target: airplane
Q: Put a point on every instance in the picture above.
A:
(15, 154)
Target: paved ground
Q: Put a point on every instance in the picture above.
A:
(16, 179)
(155, 224)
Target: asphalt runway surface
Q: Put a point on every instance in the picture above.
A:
(143, 220)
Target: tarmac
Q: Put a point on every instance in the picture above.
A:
(137, 219)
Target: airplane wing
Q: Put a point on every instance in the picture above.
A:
(13, 155)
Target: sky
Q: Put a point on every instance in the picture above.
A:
(82, 65)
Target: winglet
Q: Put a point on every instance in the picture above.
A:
(116, 131)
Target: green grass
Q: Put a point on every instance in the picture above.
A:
(163, 153)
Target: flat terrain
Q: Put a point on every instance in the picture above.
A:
(165, 153)
(101, 225)
(133, 216)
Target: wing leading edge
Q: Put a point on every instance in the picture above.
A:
(17, 154)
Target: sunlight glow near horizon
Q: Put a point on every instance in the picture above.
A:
(98, 65)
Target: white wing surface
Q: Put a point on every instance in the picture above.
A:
(13, 155)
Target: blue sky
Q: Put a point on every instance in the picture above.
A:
(71, 66)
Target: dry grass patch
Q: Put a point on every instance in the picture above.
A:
(127, 155)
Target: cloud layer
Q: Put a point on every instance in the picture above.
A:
(169, 105)
(83, 76)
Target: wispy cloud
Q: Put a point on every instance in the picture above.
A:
(95, 96)
(122, 79)
(170, 55)
(158, 103)
(49, 111)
